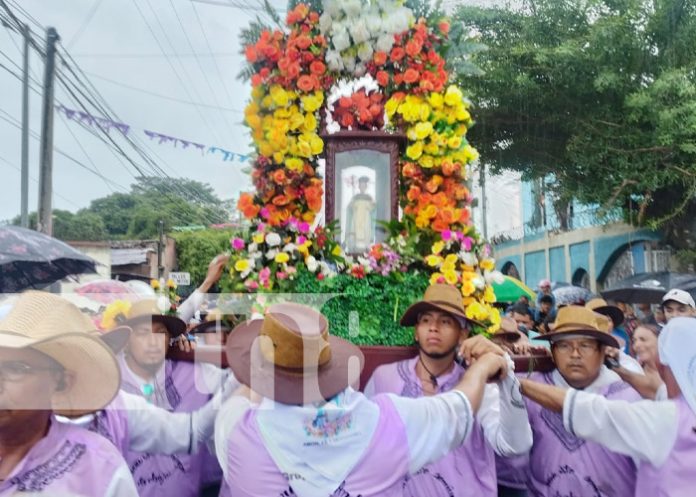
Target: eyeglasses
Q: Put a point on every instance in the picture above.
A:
(16, 371)
(583, 348)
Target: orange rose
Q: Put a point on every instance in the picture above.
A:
(410, 170)
(411, 76)
(313, 17)
(382, 78)
(413, 48)
(305, 83)
(376, 110)
(444, 27)
(345, 102)
(413, 193)
(279, 176)
(317, 67)
(251, 55)
(293, 70)
(398, 78)
(256, 80)
(397, 54)
(380, 58)
(439, 225)
(281, 200)
(304, 42)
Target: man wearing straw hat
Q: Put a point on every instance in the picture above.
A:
(310, 434)
(172, 385)
(49, 362)
(501, 425)
(660, 435)
(559, 462)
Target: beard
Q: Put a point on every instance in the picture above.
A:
(437, 355)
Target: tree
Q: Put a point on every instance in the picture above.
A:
(598, 95)
(83, 226)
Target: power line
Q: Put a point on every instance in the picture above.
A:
(153, 55)
(85, 23)
(159, 95)
(36, 181)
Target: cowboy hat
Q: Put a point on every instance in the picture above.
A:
(147, 310)
(115, 339)
(507, 331)
(576, 320)
(55, 327)
(439, 297)
(289, 356)
(600, 306)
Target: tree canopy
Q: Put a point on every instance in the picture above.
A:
(599, 95)
(136, 215)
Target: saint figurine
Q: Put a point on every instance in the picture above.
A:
(360, 219)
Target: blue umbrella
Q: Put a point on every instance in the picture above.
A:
(29, 259)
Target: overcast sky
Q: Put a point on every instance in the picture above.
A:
(114, 40)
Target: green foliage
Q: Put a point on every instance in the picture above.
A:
(598, 95)
(372, 306)
(82, 226)
(196, 249)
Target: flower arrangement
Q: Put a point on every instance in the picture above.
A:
(371, 66)
(273, 257)
(167, 299)
(356, 104)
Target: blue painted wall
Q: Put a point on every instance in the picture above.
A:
(515, 259)
(534, 267)
(579, 257)
(638, 258)
(557, 262)
(606, 247)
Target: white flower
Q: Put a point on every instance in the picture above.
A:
(352, 8)
(385, 43)
(273, 239)
(270, 255)
(495, 277)
(349, 63)
(479, 282)
(312, 264)
(334, 61)
(332, 7)
(253, 247)
(325, 22)
(163, 303)
(333, 127)
(374, 23)
(290, 247)
(365, 52)
(341, 40)
(468, 258)
(359, 32)
(360, 69)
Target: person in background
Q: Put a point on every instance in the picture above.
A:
(677, 303)
(501, 426)
(660, 317)
(646, 314)
(630, 321)
(659, 435)
(647, 382)
(616, 316)
(544, 312)
(545, 289)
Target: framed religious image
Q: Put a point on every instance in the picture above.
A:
(361, 186)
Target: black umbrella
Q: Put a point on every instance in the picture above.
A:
(29, 259)
(649, 288)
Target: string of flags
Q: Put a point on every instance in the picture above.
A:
(161, 139)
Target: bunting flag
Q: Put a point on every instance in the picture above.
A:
(161, 139)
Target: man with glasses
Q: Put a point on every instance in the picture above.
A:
(560, 463)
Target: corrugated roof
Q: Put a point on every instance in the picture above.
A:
(122, 257)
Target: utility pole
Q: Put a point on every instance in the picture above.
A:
(160, 243)
(45, 222)
(25, 130)
(482, 182)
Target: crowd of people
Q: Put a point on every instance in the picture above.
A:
(87, 412)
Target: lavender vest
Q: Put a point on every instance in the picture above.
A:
(69, 460)
(156, 475)
(562, 465)
(468, 470)
(251, 471)
(112, 424)
(677, 476)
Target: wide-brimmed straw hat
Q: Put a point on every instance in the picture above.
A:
(439, 297)
(290, 357)
(600, 306)
(147, 310)
(507, 331)
(576, 320)
(55, 327)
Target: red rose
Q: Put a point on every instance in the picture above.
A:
(413, 48)
(397, 54)
(256, 80)
(251, 54)
(380, 58)
(411, 76)
(305, 83)
(317, 67)
(347, 120)
(345, 102)
(383, 78)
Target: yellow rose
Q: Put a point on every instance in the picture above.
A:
(391, 107)
(294, 164)
(279, 96)
(423, 130)
(155, 284)
(422, 221)
(426, 161)
(468, 287)
(487, 264)
(414, 151)
(489, 295)
(453, 96)
(316, 143)
(258, 238)
(336, 251)
(311, 103)
(451, 259)
(435, 100)
(304, 148)
(282, 257)
(310, 123)
(437, 247)
(468, 274)
(242, 264)
(170, 283)
(451, 277)
(454, 142)
(296, 120)
(433, 260)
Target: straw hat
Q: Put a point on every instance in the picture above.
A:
(148, 310)
(291, 348)
(216, 322)
(600, 306)
(439, 297)
(576, 320)
(55, 327)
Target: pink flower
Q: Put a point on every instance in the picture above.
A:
(446, 235)
(303, 227)
(265, 277)
(265, 213)
(261, 227)
(238, 244)
(466, 243)
(291, 270)
(251, 285)
(281, 275)
(301, 240)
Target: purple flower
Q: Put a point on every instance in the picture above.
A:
(303, 227)
(446, 235)
(301, 240)
(265, 213)
(238, 244)
(466, 243)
